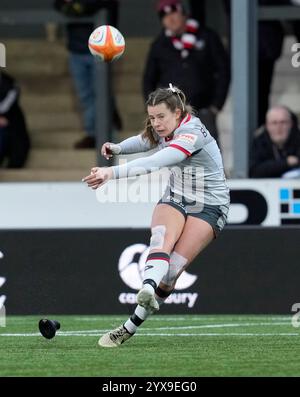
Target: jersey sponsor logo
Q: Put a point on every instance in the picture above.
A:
(188, 138)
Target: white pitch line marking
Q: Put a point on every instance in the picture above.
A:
(200, 318)
(169, 334)
(122, 319)
(101, 331)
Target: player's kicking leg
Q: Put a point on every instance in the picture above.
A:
(125, 331)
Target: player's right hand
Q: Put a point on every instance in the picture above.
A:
(98, 177)
(109, 149)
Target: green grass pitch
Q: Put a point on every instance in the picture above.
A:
(165, 345)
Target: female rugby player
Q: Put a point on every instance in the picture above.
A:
(193, 209)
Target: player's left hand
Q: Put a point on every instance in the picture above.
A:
(98, 177)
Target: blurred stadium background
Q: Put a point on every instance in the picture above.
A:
(69, 253)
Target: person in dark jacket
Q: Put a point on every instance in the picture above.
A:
(14, 138)
(82, 64)
(276, 151)
(193, 58)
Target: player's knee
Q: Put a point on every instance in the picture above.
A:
(177, 265)
(162, 238)
(158, 235)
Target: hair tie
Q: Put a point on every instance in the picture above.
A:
(171, 87)
(176, 91)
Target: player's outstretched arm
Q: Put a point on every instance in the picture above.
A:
(134, 144)
(164, 158)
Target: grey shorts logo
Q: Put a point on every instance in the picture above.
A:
(2, 55)
(174, 200)
(296, 57)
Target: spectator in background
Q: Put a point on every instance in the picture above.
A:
(193, 58)
(82, 63)
(276, 151)
(270, 40)
(14, 138)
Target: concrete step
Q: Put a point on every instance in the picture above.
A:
(61, 159)
(41, 175)
(51, 121)
(34, 48)
(26, 57)
(66, 139)
(48, 67)
(40, 85)
(55, 140)
(34, 57)
(135, 48)
(48, 103)
(132, 118)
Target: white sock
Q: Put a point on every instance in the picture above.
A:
(139, 316)
(157, 266)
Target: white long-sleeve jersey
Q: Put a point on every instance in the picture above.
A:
(194, 158)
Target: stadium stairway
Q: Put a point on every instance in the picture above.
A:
(51, 109)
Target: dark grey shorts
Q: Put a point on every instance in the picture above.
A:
(215, 215)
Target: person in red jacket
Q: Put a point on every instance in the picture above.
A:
(193, 57)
